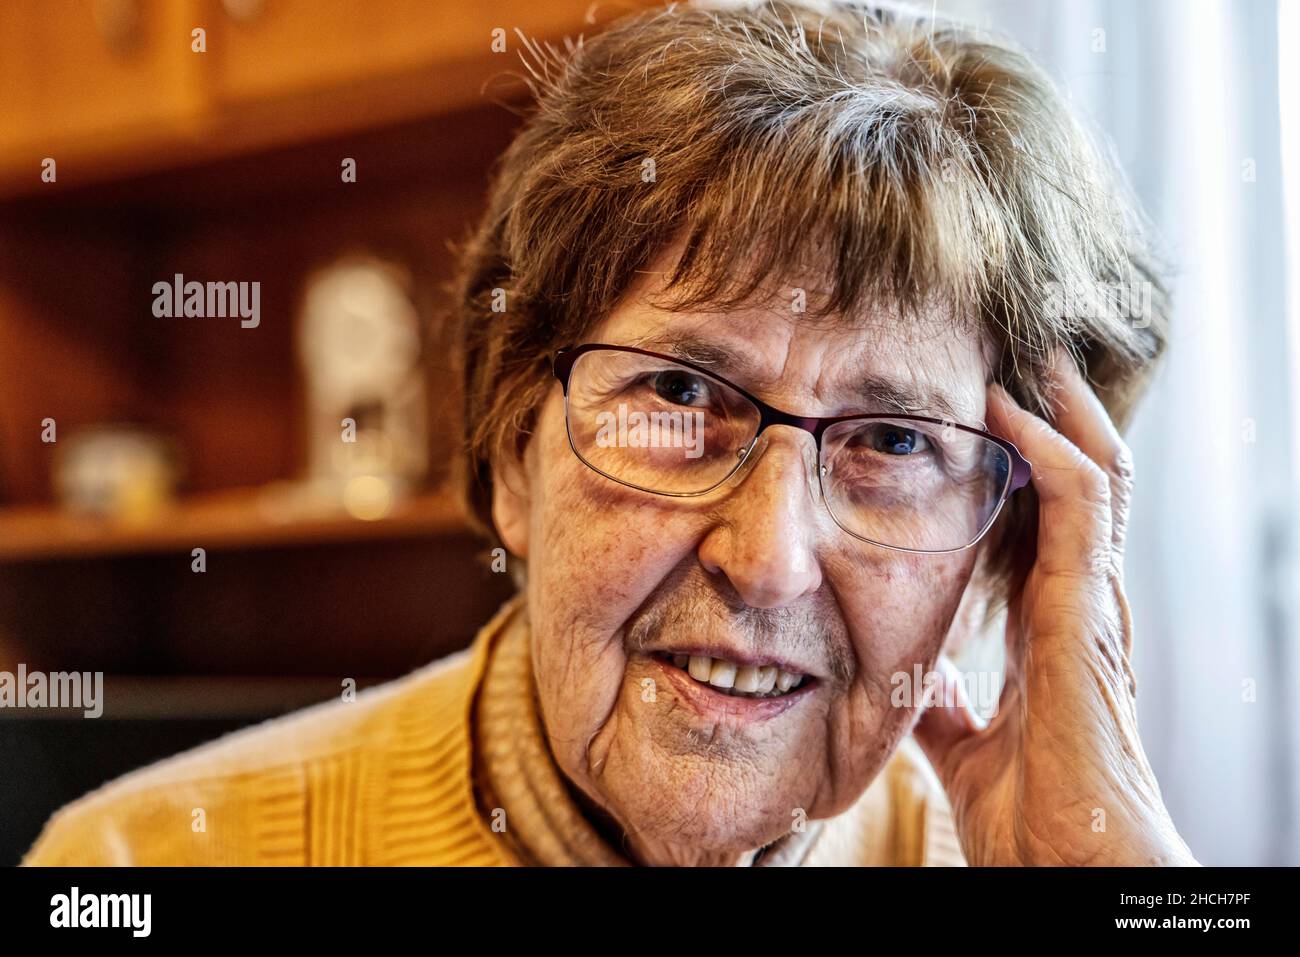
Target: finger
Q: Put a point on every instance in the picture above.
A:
(1074, 514)
(1082, 419)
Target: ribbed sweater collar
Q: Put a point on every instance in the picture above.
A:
(515, 771)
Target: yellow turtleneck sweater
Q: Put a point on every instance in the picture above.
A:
(416, 771)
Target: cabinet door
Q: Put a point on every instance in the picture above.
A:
(285, 48)
(83, 78)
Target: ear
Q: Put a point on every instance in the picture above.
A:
(512, 504)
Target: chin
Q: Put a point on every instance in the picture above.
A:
(709, 817)
(721, 832)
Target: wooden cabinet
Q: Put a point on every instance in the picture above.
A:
(297, 46)
(82, 80)
(110, 88)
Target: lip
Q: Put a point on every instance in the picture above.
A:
(739, 658)
(716, 706)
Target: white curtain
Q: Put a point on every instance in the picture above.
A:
(1192, 93)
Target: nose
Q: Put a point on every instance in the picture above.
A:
(764, 540)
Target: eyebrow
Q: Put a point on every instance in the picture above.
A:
(881, 391)
(909, 399)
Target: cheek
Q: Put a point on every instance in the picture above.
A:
(899, 608)
(597, 550)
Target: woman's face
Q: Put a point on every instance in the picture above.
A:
(756, 571)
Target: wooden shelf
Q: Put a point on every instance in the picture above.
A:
(241, 519)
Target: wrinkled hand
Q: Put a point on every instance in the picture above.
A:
(1059, 777)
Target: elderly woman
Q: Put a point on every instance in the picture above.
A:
(794, 341)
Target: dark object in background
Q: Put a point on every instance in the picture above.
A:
(51, 761)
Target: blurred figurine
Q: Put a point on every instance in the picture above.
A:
(359, 343)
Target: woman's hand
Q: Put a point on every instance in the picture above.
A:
(1059, 775)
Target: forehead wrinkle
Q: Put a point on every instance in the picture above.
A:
(907, 390)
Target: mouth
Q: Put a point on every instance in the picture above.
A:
(719, 702)
(736, 679)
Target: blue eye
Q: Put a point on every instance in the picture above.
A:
(679, 387)
(895, 440)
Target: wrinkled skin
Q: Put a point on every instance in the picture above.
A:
(761, 564)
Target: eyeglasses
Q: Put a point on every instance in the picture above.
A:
(666, 426)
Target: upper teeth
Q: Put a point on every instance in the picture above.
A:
(745, 679)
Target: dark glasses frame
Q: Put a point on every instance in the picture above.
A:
(769, 415)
